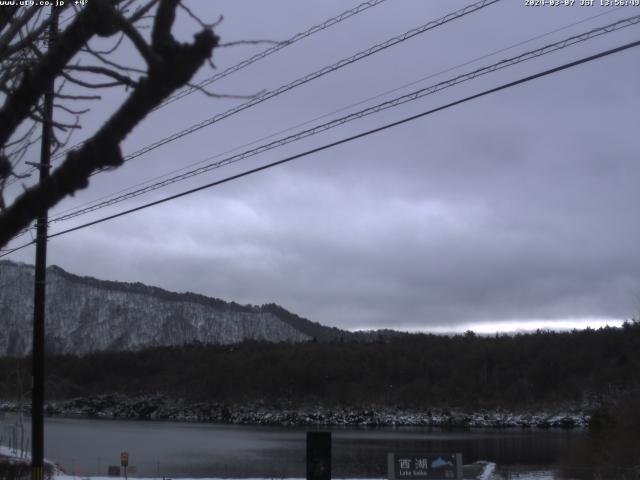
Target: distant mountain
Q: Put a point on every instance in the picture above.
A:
(84, 314)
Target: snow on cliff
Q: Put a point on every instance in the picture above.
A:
(85, 315)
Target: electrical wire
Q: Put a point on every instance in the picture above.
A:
(308, 78)
(259, 56)
(342, 109)
(273, 49)
(345, 140)
(344, 62)
(360, 114)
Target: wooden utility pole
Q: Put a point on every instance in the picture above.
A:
(37, 367)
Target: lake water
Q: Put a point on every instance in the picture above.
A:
(173, 449)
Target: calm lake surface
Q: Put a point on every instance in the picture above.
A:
(173, 449)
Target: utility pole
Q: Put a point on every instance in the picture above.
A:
(37, 367)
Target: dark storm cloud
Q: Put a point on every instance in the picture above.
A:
(515, 207)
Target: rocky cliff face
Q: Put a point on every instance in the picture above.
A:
(86, 315)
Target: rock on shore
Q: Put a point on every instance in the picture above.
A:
(160, 407)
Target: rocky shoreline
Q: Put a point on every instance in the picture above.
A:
(160, 407)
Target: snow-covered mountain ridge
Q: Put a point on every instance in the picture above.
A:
(85, 315)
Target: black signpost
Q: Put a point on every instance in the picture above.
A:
(318, 455)
(430, 466)
(124, 461)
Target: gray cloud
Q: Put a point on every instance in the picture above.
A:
(518, 206)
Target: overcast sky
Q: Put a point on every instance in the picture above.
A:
(508, 212)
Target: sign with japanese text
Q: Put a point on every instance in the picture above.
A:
(430, 466)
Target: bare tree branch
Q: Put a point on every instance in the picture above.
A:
(26, 135)
(123, 79)
(172, 66)
(15, 29)
(198, 20)
(100, 56)
(201, 89)
(109, 51)
(6, 15)
(141, 12)
(71, 111)
(149, 55)
(38, 117)
(17, 106)
(78, 97)
(86, 84)
(161, 38)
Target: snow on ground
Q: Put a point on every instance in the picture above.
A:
(486, 474)
(19, 456)
(542, 475)
(71, 477)
(14, 454)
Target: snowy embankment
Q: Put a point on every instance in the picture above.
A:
(13, 455)
(159, 407)
(476, 471)
(71, 477)
(484, 472)
(17, 457)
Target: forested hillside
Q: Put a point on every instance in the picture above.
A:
(85, 314)
(410, 371)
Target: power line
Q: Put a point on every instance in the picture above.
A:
(347, 139)
(357, 136)
(325, 115)
(15, 249)
(312, 76)
(259, 56)
(360, 114)
(273, 49)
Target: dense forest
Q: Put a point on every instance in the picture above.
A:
(418, 370)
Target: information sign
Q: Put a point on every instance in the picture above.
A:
(430, 466)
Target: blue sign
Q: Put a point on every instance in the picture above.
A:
(431, 466)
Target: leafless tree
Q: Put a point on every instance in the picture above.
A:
(82, 58)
